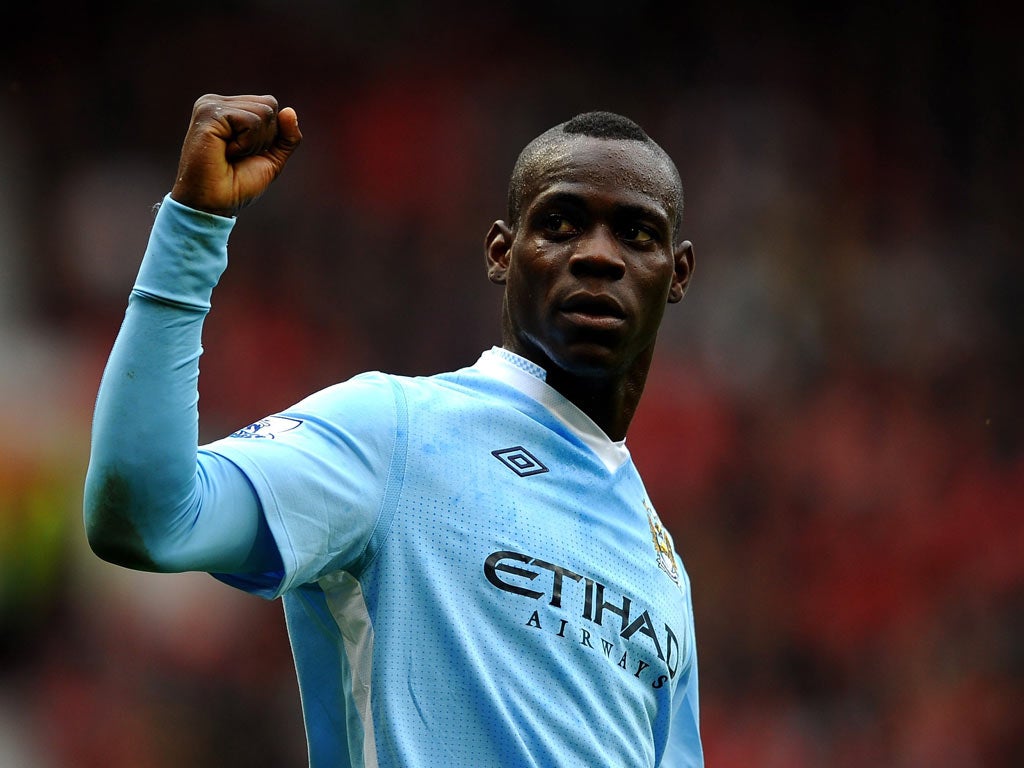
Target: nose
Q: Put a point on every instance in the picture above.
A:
(598, 253)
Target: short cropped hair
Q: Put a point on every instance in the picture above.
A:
(598, 125)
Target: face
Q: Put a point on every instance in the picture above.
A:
(591, 265)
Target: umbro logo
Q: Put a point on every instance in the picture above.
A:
(520, 461)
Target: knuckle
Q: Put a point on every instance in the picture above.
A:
(207, 105)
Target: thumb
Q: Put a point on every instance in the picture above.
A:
(288, 134)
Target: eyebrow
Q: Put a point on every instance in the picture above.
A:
(635, 210)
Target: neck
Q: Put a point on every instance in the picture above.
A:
(609, 398)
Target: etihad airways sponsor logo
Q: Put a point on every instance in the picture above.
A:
(596, 627)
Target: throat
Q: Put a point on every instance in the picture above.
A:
(610, 403)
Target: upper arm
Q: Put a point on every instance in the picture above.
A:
(219, 526)
(320, 472)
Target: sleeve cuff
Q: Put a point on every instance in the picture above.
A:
(186, 255)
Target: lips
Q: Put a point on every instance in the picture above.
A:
(597, 304)
(591, 309)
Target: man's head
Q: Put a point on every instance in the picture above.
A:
(590, 255)
(598, 125)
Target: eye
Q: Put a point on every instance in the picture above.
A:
(558, 225)
(637, 233)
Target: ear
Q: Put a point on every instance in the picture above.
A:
(498, 251)
(684, 271)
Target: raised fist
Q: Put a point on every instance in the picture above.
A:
(234, 148)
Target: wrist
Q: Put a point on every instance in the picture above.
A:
(187, 201)
(186, 255)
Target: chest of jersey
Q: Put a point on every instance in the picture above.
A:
(527, 542)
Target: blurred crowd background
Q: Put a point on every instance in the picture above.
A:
(833, 428)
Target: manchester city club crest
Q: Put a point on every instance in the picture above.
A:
(663, 548)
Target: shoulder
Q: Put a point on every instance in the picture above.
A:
(375, 398)
(367, 389)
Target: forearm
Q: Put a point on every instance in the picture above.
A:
(144, 492)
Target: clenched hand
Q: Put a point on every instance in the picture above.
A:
(235, 147)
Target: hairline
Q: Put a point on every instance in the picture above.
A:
(532, 154)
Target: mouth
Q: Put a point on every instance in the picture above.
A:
(593, 310)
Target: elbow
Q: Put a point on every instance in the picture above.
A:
(111, 527)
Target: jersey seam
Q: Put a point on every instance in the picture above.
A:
(392, 487)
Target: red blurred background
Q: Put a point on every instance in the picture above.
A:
(833, 428)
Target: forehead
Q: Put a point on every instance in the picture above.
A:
(630, 169)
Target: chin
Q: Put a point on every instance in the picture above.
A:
(590, 360)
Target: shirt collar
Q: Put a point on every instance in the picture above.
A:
(530, 379)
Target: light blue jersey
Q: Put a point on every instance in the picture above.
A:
(472, 572)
